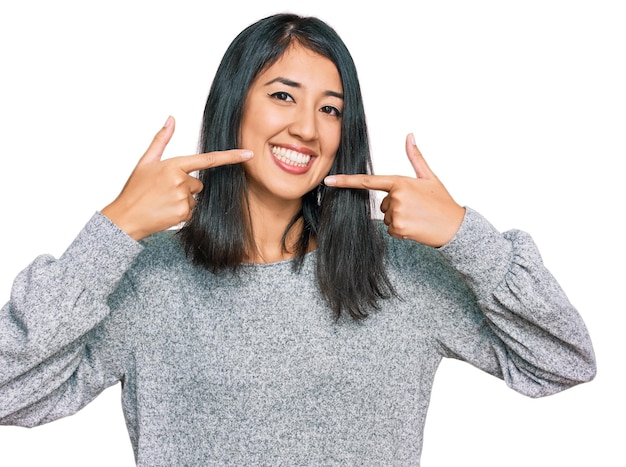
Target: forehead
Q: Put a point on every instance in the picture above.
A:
(304, 66)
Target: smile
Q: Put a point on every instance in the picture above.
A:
(290, 157)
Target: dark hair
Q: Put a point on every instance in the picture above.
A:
(350, 258)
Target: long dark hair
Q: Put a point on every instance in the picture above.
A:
(350, 249)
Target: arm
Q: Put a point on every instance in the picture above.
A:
(57, 348)
(49, 343)
(537, 337)
(524, 328)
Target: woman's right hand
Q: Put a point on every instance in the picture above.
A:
(160, 194)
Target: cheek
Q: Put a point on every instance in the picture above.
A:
(249, 128)
(332, 141)
(330, 157)
(259, 124)
(337, 139)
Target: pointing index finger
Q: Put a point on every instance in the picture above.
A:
(363, 181)
(212, 159)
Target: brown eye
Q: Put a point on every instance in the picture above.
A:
(281, 96)
(330, 110)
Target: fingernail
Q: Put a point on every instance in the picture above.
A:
(246, 154)
(330, 181)
(168, 122)
(412, 139)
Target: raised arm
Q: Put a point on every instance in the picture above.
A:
(534, 338)
(528, 332)
(54, 357)
(416, 208)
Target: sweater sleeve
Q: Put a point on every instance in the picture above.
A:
(538, 343)
(51, 359)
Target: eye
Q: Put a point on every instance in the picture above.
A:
(330, 110)
(281, 96)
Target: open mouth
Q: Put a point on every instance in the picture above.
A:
(291, 157)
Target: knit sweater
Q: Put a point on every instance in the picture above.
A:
(254, 369)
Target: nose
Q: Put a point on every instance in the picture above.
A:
(304, 124)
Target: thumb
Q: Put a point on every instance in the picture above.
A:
(422, 170)
(158, 144)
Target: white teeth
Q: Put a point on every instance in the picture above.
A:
(291, 157)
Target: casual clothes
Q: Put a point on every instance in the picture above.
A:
(254, 369)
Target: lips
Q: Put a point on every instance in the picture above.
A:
(291, 157)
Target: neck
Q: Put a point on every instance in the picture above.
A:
(269, 221)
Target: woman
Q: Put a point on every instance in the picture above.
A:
(281, 325)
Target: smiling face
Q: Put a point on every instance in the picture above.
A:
(292, 122)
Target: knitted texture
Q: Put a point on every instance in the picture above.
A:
(253, 368)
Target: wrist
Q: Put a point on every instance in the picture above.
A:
(116, 214)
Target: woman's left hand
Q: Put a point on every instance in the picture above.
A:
(419, 209)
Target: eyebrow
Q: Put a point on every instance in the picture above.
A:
(294, 84)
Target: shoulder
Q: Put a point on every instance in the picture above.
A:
(162, 257)
(162, 245)
(420, 272)
(407, 255)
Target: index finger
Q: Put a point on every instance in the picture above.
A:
(212, 159)
(363, 181)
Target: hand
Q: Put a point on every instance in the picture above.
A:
(160, 194)
(420, 208)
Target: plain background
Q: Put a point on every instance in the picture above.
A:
(519, 107)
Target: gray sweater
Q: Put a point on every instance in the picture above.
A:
(253, 369)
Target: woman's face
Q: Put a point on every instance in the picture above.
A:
(292, 122)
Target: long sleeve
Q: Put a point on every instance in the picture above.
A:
(51, 357)
(537, 341)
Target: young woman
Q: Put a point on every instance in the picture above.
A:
(281, 324)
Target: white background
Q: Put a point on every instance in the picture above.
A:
(519, 107)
